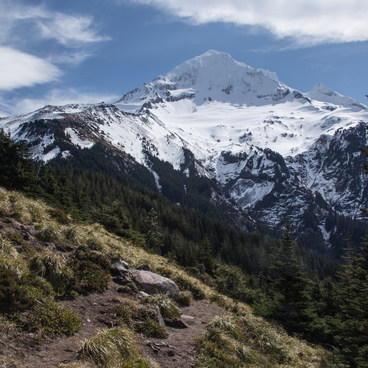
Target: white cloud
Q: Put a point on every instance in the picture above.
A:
(18, 69)
(56, 97)
(68, 30)
(307, 22)
(24, 27)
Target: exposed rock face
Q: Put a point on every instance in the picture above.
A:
(152, 283)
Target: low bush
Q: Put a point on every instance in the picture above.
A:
(184, 298)
(184, 283)
(54, 269)
(91, 277)
(59, 215)
(93, 256)
(13, 298)
(49, 231)
(52, 319)
(151, 328)
(110, 347)
(167, 307)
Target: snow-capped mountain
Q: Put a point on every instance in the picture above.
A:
(273, 150)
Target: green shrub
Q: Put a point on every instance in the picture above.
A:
(227, 324)
(95, 257)
(53, 268)
(151, 328)
(12, 297)
(184, 298)
(110, 347)
(36, 288)
(72, 235)
(167, 307)
(53, 319)
(187, 284)
(95, 243)
(59, 215)
(10, 257)
(49, 232)
(124, 313)
(91, 277)
(15, 238)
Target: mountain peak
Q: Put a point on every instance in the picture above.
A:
(322, 93)
(223, 61)
(211, 76)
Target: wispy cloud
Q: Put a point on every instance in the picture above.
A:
(306, 22)
(24, 27)
(54, 97)
(42, 23)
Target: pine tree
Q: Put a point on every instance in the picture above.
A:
(154, 236)
(205, 255)
(17, 170)
(292, 302)
(352, 318)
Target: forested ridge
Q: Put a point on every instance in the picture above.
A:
(322, 300)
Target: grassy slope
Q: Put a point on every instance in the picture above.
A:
(239, 339)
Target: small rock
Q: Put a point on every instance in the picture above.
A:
(159, 317)
(202, 268)
(186, 316)
(175, 323)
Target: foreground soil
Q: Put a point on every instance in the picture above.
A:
(178, 349)
(28, 351)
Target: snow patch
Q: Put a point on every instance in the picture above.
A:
(246, 192)
(50, 155)
(76, 140)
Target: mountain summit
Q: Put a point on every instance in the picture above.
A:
(212, 76)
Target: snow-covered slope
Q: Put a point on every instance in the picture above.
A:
(212, 76)
(273, 150)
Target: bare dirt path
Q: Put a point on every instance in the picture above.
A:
(97, 311)
(178, 349)
(94, 310)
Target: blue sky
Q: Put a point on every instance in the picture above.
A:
(57, 52)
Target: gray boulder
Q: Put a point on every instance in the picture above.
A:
(152, 283)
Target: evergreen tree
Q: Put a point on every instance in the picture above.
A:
(17, 170)
(352, 318)
(154, 237)
(292, 302)
(205, 255)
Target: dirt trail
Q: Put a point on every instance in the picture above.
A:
(178, 349)
(97, 312)
(94, 310)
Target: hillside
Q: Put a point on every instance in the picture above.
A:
(42, 254)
